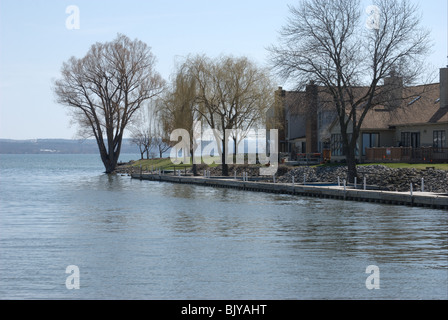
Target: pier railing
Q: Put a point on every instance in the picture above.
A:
(421, 155)
(309, 158)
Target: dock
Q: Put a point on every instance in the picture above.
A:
(348, 193)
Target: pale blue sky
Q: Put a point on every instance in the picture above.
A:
(34, 42)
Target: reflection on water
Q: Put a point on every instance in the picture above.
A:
(146, 240)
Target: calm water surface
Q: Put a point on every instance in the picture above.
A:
(145, 240)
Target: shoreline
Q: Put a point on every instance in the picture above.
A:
(378, 176)
(330, 191)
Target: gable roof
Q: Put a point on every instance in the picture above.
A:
(423, 109)
(420, 105)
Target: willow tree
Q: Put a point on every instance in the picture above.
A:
(232, 93)
(178, 108)
(340, 48)
(105, 88)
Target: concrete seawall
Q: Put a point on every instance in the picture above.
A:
(418, 199)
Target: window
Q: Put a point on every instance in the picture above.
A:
(405, 139)
(415, 139)
(410, 139)
(337, 145)
(370, 140)
(439, 140)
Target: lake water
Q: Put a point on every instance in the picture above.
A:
(134, 239)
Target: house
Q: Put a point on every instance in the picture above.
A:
(408, 121)
(414, 127)
(303, 121)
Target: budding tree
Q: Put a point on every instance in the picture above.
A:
(105, 88)
(231, 94)
(178, 108)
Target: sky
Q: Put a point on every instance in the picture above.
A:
(35, 41)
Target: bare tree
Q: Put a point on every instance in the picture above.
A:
(232, 93)
(142, 130)
(329, 42)
(105, 88)
(253, 95)
(161, 141)
(140, 139)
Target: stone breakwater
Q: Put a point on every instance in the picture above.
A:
(385, 178)
(126, 168)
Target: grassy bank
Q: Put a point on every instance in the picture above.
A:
(166, 164)
(420, 166)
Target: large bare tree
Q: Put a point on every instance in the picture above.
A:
(105, 88)
(341, 47)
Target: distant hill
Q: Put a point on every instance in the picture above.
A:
(61, 146)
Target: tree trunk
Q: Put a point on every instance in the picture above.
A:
(225, 166)
(109, 162)
(194, 167)
(110, 156)
(352, 171)
(234, 147)
(110, 165)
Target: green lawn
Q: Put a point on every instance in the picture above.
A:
(438, 166)
(157, 163)
(166, 164)
(421, 166)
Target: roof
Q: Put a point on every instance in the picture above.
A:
(422, 109)
(419, 105)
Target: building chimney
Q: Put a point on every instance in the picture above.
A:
(393, 90)
(276, 118)
(311, 118)
(444, 88)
